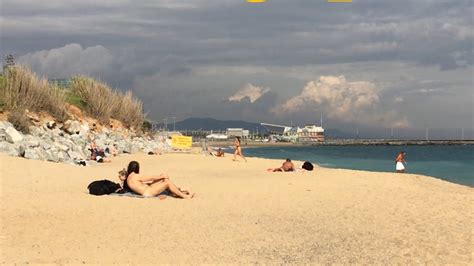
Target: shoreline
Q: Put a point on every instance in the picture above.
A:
(342, 142)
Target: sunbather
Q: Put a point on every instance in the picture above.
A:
(287, 166)
(220, 153)
(150, 186)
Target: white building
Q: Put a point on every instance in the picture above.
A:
(237, 132)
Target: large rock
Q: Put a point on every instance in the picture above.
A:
(9, 149)
(72, 127)
(12, 135)
(36, 131)
(45, 145)
(61, 147)
(32, 143)
(51, 156)
(31, 153)
(4, 125)
(63, 157)
(85, 129)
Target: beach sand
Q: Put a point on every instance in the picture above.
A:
(242, 214)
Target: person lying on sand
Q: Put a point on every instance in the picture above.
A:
(287, 166)
(150, 186)
(220, 153)
(98, 155)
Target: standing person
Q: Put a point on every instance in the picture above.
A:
(238, 149)
(400, 162)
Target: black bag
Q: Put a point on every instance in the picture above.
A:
(103, 187)
(308, 166)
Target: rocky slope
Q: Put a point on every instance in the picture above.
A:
(68, 142)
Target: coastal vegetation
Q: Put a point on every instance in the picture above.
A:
(21, 90)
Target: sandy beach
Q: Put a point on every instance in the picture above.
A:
(242, 214)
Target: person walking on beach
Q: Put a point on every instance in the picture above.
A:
(400, 162)
(238, 149)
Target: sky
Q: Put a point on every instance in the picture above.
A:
(366, 64)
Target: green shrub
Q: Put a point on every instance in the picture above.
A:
(146, 126)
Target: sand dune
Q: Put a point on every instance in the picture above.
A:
(243, 214)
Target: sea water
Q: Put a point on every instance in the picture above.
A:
(453, 163)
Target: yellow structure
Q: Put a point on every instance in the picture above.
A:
(256, 1)
(181, 142)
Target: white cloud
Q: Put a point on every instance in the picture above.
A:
(69, 60)
(342, 100)
(249, 91)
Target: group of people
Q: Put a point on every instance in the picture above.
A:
(99, 154)
(237, 151)
(150, 186)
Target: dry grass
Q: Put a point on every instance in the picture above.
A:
(102, 102)
(23, 89)
(19, 120)
(128, 109)
(95, 96)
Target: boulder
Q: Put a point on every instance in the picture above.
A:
(32, 143)
(12, 135)
(45, 145)
(72, 127)
(4, 125)
(31, 153)
(61, 147)
(36, 131)
(51, 156)
(85, 129)
(9, 149)
(42, 154)
(63, 157)
(73, 155)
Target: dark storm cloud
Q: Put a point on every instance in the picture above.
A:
(160, 47)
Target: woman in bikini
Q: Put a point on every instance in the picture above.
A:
(238, 150)
(150, 186)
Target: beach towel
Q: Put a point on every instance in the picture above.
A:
(160, 196)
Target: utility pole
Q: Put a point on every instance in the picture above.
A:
(165, 124)
(427, 133)
(174, 123)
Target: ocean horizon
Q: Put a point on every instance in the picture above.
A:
(453, 163)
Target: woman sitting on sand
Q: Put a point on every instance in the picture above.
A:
(150, 186)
